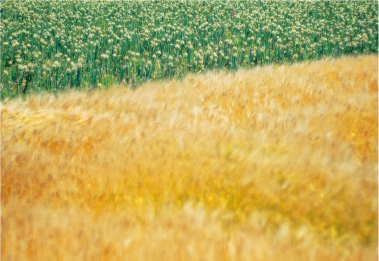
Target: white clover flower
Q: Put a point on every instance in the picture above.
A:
(104, 56)
(22, 67)
(15, 43)
(228, 41)
(56, 64)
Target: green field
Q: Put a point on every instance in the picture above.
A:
(56, 45)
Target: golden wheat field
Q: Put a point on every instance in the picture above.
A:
(271, 163)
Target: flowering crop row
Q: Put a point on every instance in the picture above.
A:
(53, 45)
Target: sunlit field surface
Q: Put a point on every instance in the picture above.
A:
(271, 163)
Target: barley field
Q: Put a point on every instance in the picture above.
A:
(269, 163)
(57, 45)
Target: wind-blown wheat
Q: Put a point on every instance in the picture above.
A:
(269, 163)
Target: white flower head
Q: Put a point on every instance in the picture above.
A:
(56, 64)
